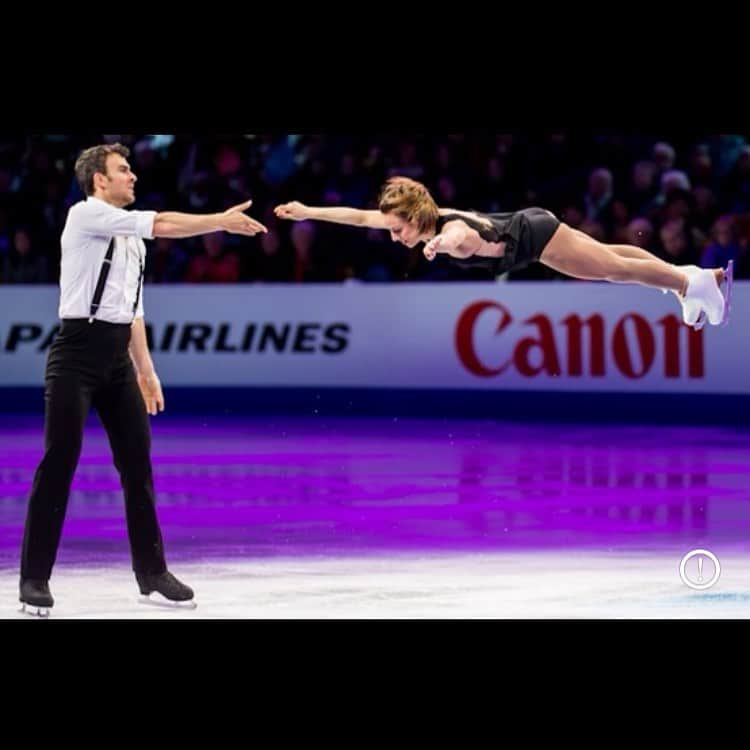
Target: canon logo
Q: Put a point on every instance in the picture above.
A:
(539, 346)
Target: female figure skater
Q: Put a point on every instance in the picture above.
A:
(509, 241)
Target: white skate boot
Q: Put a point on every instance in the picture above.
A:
(703, 293)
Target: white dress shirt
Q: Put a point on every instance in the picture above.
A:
(90, 226)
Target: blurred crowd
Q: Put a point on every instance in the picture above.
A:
(684, 197)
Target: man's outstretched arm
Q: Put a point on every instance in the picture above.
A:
(234, 220)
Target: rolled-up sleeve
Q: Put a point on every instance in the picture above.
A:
(145, 224)
(98, 218)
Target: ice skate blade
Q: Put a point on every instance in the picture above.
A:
(728, 280)
(160, 601)
(33, 611)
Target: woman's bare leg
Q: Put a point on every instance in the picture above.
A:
(638, 253)
(576, 254)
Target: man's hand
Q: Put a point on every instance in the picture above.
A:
(234, 220)
(151, 392)
(295, 211)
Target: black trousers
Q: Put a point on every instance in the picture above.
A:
(89, 364)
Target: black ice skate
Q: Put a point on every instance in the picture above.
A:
(35, 597)
(173, 593)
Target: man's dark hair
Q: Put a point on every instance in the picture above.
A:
(94, 160)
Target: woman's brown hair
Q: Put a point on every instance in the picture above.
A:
(409, 200)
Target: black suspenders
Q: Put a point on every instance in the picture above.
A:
(104, 273)
(102, 280)
(140, 284)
